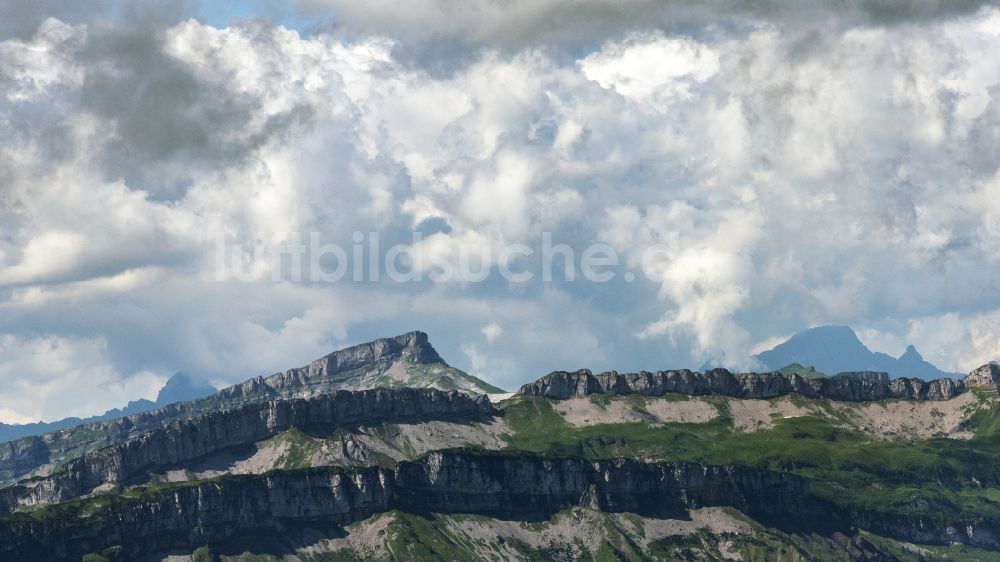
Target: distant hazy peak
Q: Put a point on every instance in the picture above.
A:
(911, 354)
(182, 386)
(837, 349)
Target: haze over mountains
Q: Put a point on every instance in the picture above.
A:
(178, 388)
(837, 349)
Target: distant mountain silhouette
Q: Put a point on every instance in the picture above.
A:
(837, 349)
(178, 388)
(182, 387)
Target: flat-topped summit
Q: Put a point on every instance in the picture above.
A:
(407, 360)
(415, 344)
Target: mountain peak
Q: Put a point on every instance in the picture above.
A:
(911, 353)
(823, 347)
(404, 360)
(416, 345)
(424, 351)
(837, 349)
(181, 387)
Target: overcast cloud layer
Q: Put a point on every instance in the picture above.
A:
(827, 163)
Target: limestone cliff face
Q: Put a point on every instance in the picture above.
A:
(866, 376)
(24, 454)
(199, 514)
(186, 440)
(974, 531)
(560, 385)
(524, 486)
(985, 378)
(507, 486)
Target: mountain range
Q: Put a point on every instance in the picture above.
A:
(382, 451)
(837, 349)
(827, 349)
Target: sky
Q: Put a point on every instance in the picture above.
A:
(785, 164)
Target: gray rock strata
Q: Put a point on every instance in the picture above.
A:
(986, 378)
(561, 385)
(187, 440)
(507, 486)
(18, 458)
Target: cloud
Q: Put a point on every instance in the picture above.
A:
(492, 331)
(43, 377)
(781, 174)
(651, 67)
(519, 23)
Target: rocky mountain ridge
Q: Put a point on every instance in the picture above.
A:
(407, 360)
(187, 440)
(985, 378)
(516, 486)
(560, 385)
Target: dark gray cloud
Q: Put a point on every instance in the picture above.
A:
(169, 122)
(446, 27)
(21, 18)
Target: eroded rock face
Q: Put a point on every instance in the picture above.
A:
(378, 355)
(986, 378)
(186, 440)
(524, 486)
(866, 376)
(560, 385)
(507, 486)
(24, 454)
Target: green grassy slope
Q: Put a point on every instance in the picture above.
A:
(937, 478)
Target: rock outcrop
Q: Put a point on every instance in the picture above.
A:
(923, 529)
(985, 378)
(187, 440)
(560, 385)
(24, 454)
(383, 362)
(500, 485)
(879, 377)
